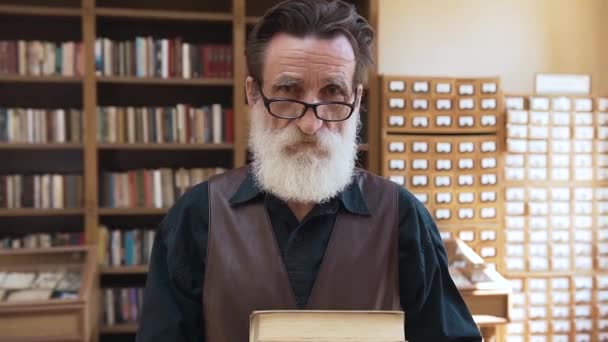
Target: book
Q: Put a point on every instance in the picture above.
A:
(156, 188)
(123, 247)
(47, 280)
(327, 326)
(41, 58)
(161, 58)
(41, 240)
(29, 295)
(18, 280)
(48, 191)
(33, 125)
(181, 123)
(121, 305)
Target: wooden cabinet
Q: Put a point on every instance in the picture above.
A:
(73, 319)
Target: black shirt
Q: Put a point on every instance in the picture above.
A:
(172, 309)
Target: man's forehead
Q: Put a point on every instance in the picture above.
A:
(288, 56)
(336, 47)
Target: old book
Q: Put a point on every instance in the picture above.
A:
(217, 114)
(109, 306)
(29, 295)
(69, 282)
(327, 326)
(57, 191)
(18, 280)
(47, 280)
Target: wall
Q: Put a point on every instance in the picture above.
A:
(513, 39)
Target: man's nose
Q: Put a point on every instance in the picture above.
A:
(309, 123)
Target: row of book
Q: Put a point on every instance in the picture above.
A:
(33, 285)
(150, 188)
(180, 124)
(42, 240)
(41, 58)
(30, 125)
(122, 305)
(120, 247)
(165, 58)
(42, 191)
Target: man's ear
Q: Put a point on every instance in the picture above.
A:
(251, 88)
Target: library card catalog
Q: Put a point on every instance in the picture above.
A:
(421, 87)
(488, 104)
(466, 197)
(561, 103)
(443, 88)
(420, 121)
(539, 103)
(396, 147)
(488, 88)
(396, 120)
(398, 179)
(515, 102)
(396, 86)
(466, 121)
(419, 146)
(397, 164)
(488, 120)
(396, 103)
(420, 164)
(515, 222)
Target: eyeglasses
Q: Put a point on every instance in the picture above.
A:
(291, 109)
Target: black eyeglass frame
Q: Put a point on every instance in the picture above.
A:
(267, 101)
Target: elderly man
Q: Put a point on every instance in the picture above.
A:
(301, 227)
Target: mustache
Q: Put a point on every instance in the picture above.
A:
(292, 135)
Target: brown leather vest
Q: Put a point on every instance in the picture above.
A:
(245, 271)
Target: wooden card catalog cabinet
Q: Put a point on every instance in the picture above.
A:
(48, 294)
(456, 177)
(441, 105)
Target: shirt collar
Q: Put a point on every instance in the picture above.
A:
(351, 198)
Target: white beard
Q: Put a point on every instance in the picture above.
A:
(302, 168)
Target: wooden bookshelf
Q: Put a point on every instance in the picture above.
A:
(29, 251)
(40, 79)
(131, 211)
(41, 146)
(29, 212)
(118, 270)
(166, 146)
(127, 328)
(163, 14)
(167, 19)
(166, 81)
(252, 20)
(41, 11)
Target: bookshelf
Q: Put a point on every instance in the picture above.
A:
(28, 212)
(117, 270)
(127, 328)
(42, 11)
(85, 21)
(167, 82)
(165, 146)
(39, 79)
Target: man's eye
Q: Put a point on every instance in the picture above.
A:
(334, 91)
(286, 88)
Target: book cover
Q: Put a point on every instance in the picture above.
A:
(216, 110)
(129, 248)
(327, 326)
